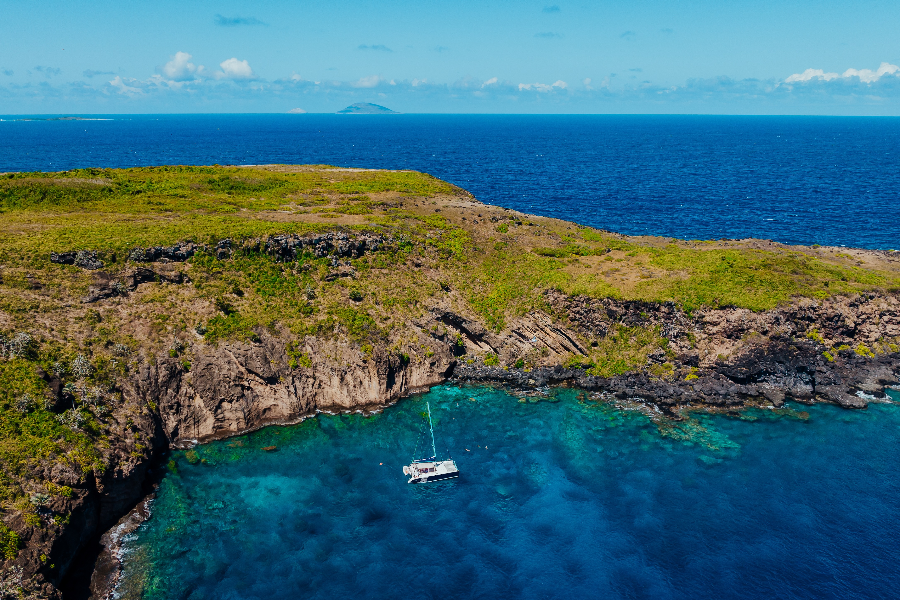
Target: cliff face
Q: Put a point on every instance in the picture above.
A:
(714, 356)
(232, 388)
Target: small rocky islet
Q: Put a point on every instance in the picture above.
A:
(148, 309)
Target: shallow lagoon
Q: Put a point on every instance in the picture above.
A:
(560, 497)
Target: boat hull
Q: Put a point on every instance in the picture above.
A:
(438, 477)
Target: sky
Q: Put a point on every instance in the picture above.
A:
(435, 56)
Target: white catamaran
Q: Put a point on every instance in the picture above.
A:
(425, 470)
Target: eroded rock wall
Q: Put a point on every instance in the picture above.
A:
(237, 387)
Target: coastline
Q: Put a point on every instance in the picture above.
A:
(379, 287)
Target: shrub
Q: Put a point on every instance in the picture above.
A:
(25, 403)
(40, 499)
(81, 367)
(224, 306)
(176, 347)
(58, 369)
(19, 345)
(491, 360)
(864, 350)
(815, 336)
(9, 542)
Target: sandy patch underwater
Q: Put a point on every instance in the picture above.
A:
(562, 497)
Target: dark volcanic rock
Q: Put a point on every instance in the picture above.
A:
(86, 259)
(178, 253)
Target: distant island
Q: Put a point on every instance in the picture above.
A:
(367, 108)
(62, 119)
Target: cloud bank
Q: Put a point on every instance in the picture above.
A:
(185, 84)
(180, 70)
(864, 75)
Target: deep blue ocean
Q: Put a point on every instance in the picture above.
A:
(826, 180)
(559, 497)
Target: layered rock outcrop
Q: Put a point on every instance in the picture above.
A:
(841, 350)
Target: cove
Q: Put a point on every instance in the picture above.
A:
(561, 496)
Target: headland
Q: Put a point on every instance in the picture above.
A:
(152, 308)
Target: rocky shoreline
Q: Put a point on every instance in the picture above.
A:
(719, 358)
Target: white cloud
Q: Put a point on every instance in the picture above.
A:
(864, 75)
(236, 69)
(869, 76)
(367, 82)
(491, 81)
(543, 87)
(180, 68)
(297, 111)
(809, 74)
(587, 83)
(124, 88)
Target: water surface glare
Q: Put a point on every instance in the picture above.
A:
(561, 498)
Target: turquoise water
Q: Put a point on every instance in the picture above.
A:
(560, 496)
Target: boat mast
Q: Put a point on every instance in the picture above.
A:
(431, 427)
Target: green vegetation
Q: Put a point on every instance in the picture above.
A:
(36, 434)
(754, 279)
(864, 350)
(9, 543)
(115, 211)
(622, 350)
(296, 357)
(814, 335)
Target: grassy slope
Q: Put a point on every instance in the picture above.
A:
(448, 249)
